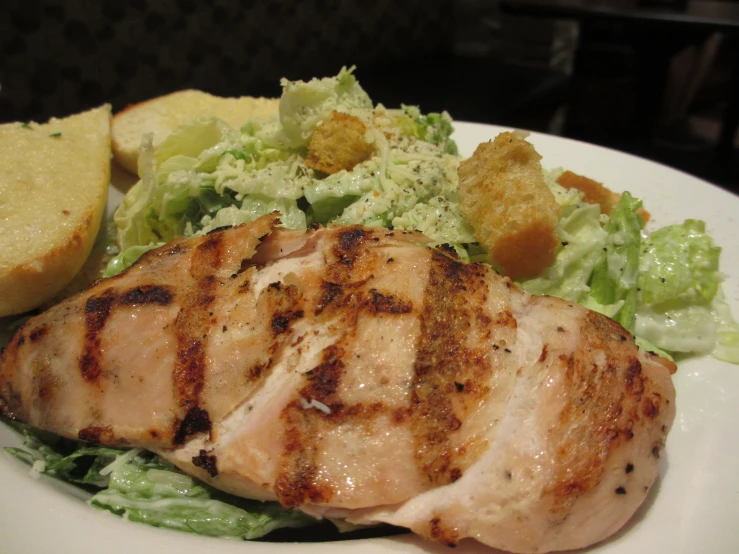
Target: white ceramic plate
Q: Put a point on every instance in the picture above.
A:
(692, 508)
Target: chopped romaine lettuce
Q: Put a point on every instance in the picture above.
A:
(679, 305)
(70, 461)
(329, 208)
(583, 240)
(207, 175)
(441, 219)
(678, 327)
(410, 173)
(284, 178)
(614, 278)
(435, 128)
(126, 258)
(727, 333)
(665, 288)
(142, 487)
(303, 106)
(679, 262)
(253, 207)
(362, 179)
(195, 145)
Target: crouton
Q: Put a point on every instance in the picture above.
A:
(338, 143)
(513, 212)
(595, 193)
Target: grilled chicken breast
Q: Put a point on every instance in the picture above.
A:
(354, 372)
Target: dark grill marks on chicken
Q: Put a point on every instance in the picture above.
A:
(323, 380)
(343, 290)
(44, 384)
(196, 421)
(341, 274)
(38, 333)
(280, 305)
(192, 327)
(348, 249)
(147, 294)
(97, 310)
(97, 435)
(442, 360)
(207, 461)
(298, 480)
(386, 303)
(600, 410)
(330, 293)
(285, 314)
(442, 534)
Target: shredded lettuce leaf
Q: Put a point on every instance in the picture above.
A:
(206, 175)
(615, 275)
(679, 262)
(435, 128)
(303, 106)
(441, 219)
(727, 333)
(582, 242)
(142, 487)
(127, 258)
(679, 305)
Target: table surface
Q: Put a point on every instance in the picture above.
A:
(718, 15)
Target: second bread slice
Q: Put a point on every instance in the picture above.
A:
(164, 114)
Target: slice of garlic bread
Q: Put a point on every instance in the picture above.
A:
(164, 114)
(54, 181)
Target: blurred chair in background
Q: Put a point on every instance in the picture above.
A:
(59, 56)
(495, 73)
(644, 69)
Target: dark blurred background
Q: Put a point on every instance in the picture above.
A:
(657, 78)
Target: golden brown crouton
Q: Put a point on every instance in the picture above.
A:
(338, 143)
(595, 193)
(513, 212)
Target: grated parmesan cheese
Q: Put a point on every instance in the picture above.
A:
(38, 467)
(313, 403)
